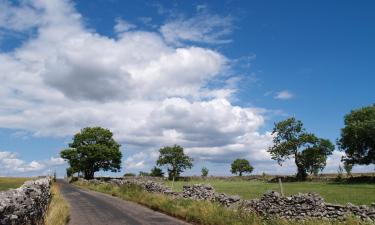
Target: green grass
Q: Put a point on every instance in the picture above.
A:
(199, 212)
(7, 183)
(360, 194)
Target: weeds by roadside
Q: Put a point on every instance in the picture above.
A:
(200, 212)
(58, 210)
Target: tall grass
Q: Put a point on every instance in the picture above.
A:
(199, 212)
(58, 210)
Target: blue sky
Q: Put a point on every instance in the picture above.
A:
(211, 77)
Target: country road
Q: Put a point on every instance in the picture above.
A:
(93, 208)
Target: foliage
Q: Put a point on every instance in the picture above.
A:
(292, 141)
(314, 158)
(201, 212)
(70, 171)
(93, 149)
(204, 172)
(339, 173)
(143, 174)
(156, 172)
(358, 136)
(176, 160)
(129, 175)
(241, 166)
(348, 168)
(58, 210)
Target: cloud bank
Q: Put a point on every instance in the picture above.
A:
(151, 88)
(149, 92)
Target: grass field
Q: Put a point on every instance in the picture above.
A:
(200, 212)
(11, 182)
(360, 194)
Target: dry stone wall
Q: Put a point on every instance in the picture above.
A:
(300, 206)
(27, 204)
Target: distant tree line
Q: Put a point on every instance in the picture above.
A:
(94, 149)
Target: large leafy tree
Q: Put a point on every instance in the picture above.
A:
(176, 160)
(314, 158)
(292, 141)
(91, 150)
(358, 136)
(240, 166)
(156, 172)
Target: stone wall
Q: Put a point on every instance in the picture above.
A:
(300, 206)
(27, 204)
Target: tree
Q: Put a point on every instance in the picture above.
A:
(143, 174)
(292, 141)
(348, 168)
(204, 172)
(91, 150)
(339, 173)
(241, 166)
(129, 175)
(358, 136)
(156, 172)
(176, 160)
(314, 158)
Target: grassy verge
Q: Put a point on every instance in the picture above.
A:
(359, 194)
(7, 183)
(198, 212)
(58, 211)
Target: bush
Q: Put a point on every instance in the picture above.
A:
(204, 172)
(129, 175)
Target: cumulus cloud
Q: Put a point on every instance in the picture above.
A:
(284, 95)
(18, 18)
(11, 164)
(149, 92)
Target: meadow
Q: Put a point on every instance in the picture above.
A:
(333, 192)
(201, 212)
(7, 183)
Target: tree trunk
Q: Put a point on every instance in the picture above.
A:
(240, 173)
(301, 171)
(89, 174)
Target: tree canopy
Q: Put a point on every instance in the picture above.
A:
(315, 157)
(358, 136)
(204, 172)
(240, 166)
(91, 150)
(156, 172)
(176, 160)
(292, 141)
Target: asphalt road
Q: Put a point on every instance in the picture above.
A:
(94, 208)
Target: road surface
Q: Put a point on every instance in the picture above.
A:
(94, 208)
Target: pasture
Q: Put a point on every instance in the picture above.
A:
(7, 183)
(340, 193)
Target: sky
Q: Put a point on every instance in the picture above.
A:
(210, 76)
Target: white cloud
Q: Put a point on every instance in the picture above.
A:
(18, 18)
(12, 164)
(147, 91)
(55, 161)
(202, 28)
(123, 26)
(284, 95)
